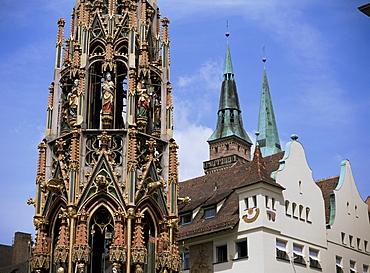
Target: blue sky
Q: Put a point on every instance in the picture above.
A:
(318, 66)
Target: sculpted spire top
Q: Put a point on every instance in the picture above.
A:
(229, 139)
(268, 137)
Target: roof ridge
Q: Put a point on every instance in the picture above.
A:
(323, 179)
(257, 170)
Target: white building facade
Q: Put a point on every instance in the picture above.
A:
(283, 224)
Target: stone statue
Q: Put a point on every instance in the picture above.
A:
(72, 99)
(108, 89)
(143, 101)
(157, 114)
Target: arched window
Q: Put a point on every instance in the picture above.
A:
(100, 238)
(150, 239)
(308, 215)
(294, 210)
(301, 212)
(287, 208)
(348, 208)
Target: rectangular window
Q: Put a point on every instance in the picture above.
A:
(246, 203)
(352, 267)
(350, 240)
(365, 245)
(343, 236)
(209, 212)
(314, 258)
(267, 201)
(273, 203)
(241, 249)
(254, 198)
(338, 264)
(298, 254)
(185, 219)
(365, 269)
(281, 251)
(359, 243)
(185, 260)
(221, 254)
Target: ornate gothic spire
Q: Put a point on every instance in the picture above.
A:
(267, 136)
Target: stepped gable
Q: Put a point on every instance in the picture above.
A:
(212, 189)
(327, 187)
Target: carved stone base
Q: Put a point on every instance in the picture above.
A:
(40, 261)
(156, 132)
(61, 254)
(139, 255)
(107, 120)
(117, 253)
(81, 253)
(141, 123)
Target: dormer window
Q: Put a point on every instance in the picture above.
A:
(185, 218)
(209, 212)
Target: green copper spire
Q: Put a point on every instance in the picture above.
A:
(228, 65)
(229, 122)
(267, 136)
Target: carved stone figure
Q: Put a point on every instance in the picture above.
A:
(108, 89)
(72, 99)
(143, 101)
(157, 114)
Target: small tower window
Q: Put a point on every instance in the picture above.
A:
(267, 201)
(301, 212)
(348, 209)
(294, 207)
(287, 212)
(308, 216)
(254, 198)
(246, 203)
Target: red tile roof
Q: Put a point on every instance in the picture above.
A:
(212, 188)
(327, 187)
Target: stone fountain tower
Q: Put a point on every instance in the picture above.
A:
(106, 186)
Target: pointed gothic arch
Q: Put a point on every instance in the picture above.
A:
(151, 236)
(100, 232)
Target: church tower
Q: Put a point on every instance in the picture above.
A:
(267, 135)
(229, 144)
(107, 178)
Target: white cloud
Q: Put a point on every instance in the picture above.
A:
(192, 141)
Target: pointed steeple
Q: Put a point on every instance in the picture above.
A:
(267, 137)
(228, 65)
(229, 144)
(257, 170)
(229, 121)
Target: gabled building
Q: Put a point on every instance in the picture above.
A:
(268, 214)
(347, 222)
